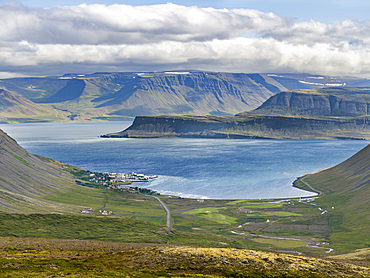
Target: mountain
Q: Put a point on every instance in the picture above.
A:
(14, 108)
(269, 127)
(112, 96)
(346, 191)
(25, 179)
(337, 102)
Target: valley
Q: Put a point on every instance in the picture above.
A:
(60, 214)
(319, 226)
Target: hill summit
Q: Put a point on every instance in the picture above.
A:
(337, 102)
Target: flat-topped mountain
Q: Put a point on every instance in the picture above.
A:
(338, 102)
(112, 96)
(269, 127)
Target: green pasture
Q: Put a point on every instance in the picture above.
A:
(280, 243)
(120, 203)
(255, 204)
(211, 214)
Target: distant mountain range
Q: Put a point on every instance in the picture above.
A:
(113, 96)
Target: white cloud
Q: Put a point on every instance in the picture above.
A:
(355, 32)
(120, 37)
(115, 24)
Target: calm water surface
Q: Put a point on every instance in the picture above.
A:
(197, 168)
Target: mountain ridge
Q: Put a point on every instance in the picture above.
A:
(25, 178)
(123, 95)
(334, 102)
(13, 106)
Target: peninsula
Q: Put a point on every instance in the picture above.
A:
(330, 113)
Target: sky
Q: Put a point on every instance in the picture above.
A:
(43, 38)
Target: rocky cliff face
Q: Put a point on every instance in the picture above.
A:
(280, 127)
(347, 102)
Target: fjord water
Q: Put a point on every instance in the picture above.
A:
(196, 168)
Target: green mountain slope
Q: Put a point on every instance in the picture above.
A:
(112, 96)
(338, 102)
(14, 108)
(25, 179)
(346, 191)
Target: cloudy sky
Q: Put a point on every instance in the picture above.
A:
(40, 38)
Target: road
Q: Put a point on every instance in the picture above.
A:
(167, 211)
(313, 189)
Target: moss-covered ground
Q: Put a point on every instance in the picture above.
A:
(27, 257)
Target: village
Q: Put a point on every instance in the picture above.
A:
(118, 181)
(115, 179)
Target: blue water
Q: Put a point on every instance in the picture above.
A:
(197, 168)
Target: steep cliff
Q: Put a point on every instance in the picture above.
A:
(336, 102)
(247, 127)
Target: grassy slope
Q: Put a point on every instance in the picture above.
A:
(14, 108)
(26, 178)
(346, 187)
(61, 258)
